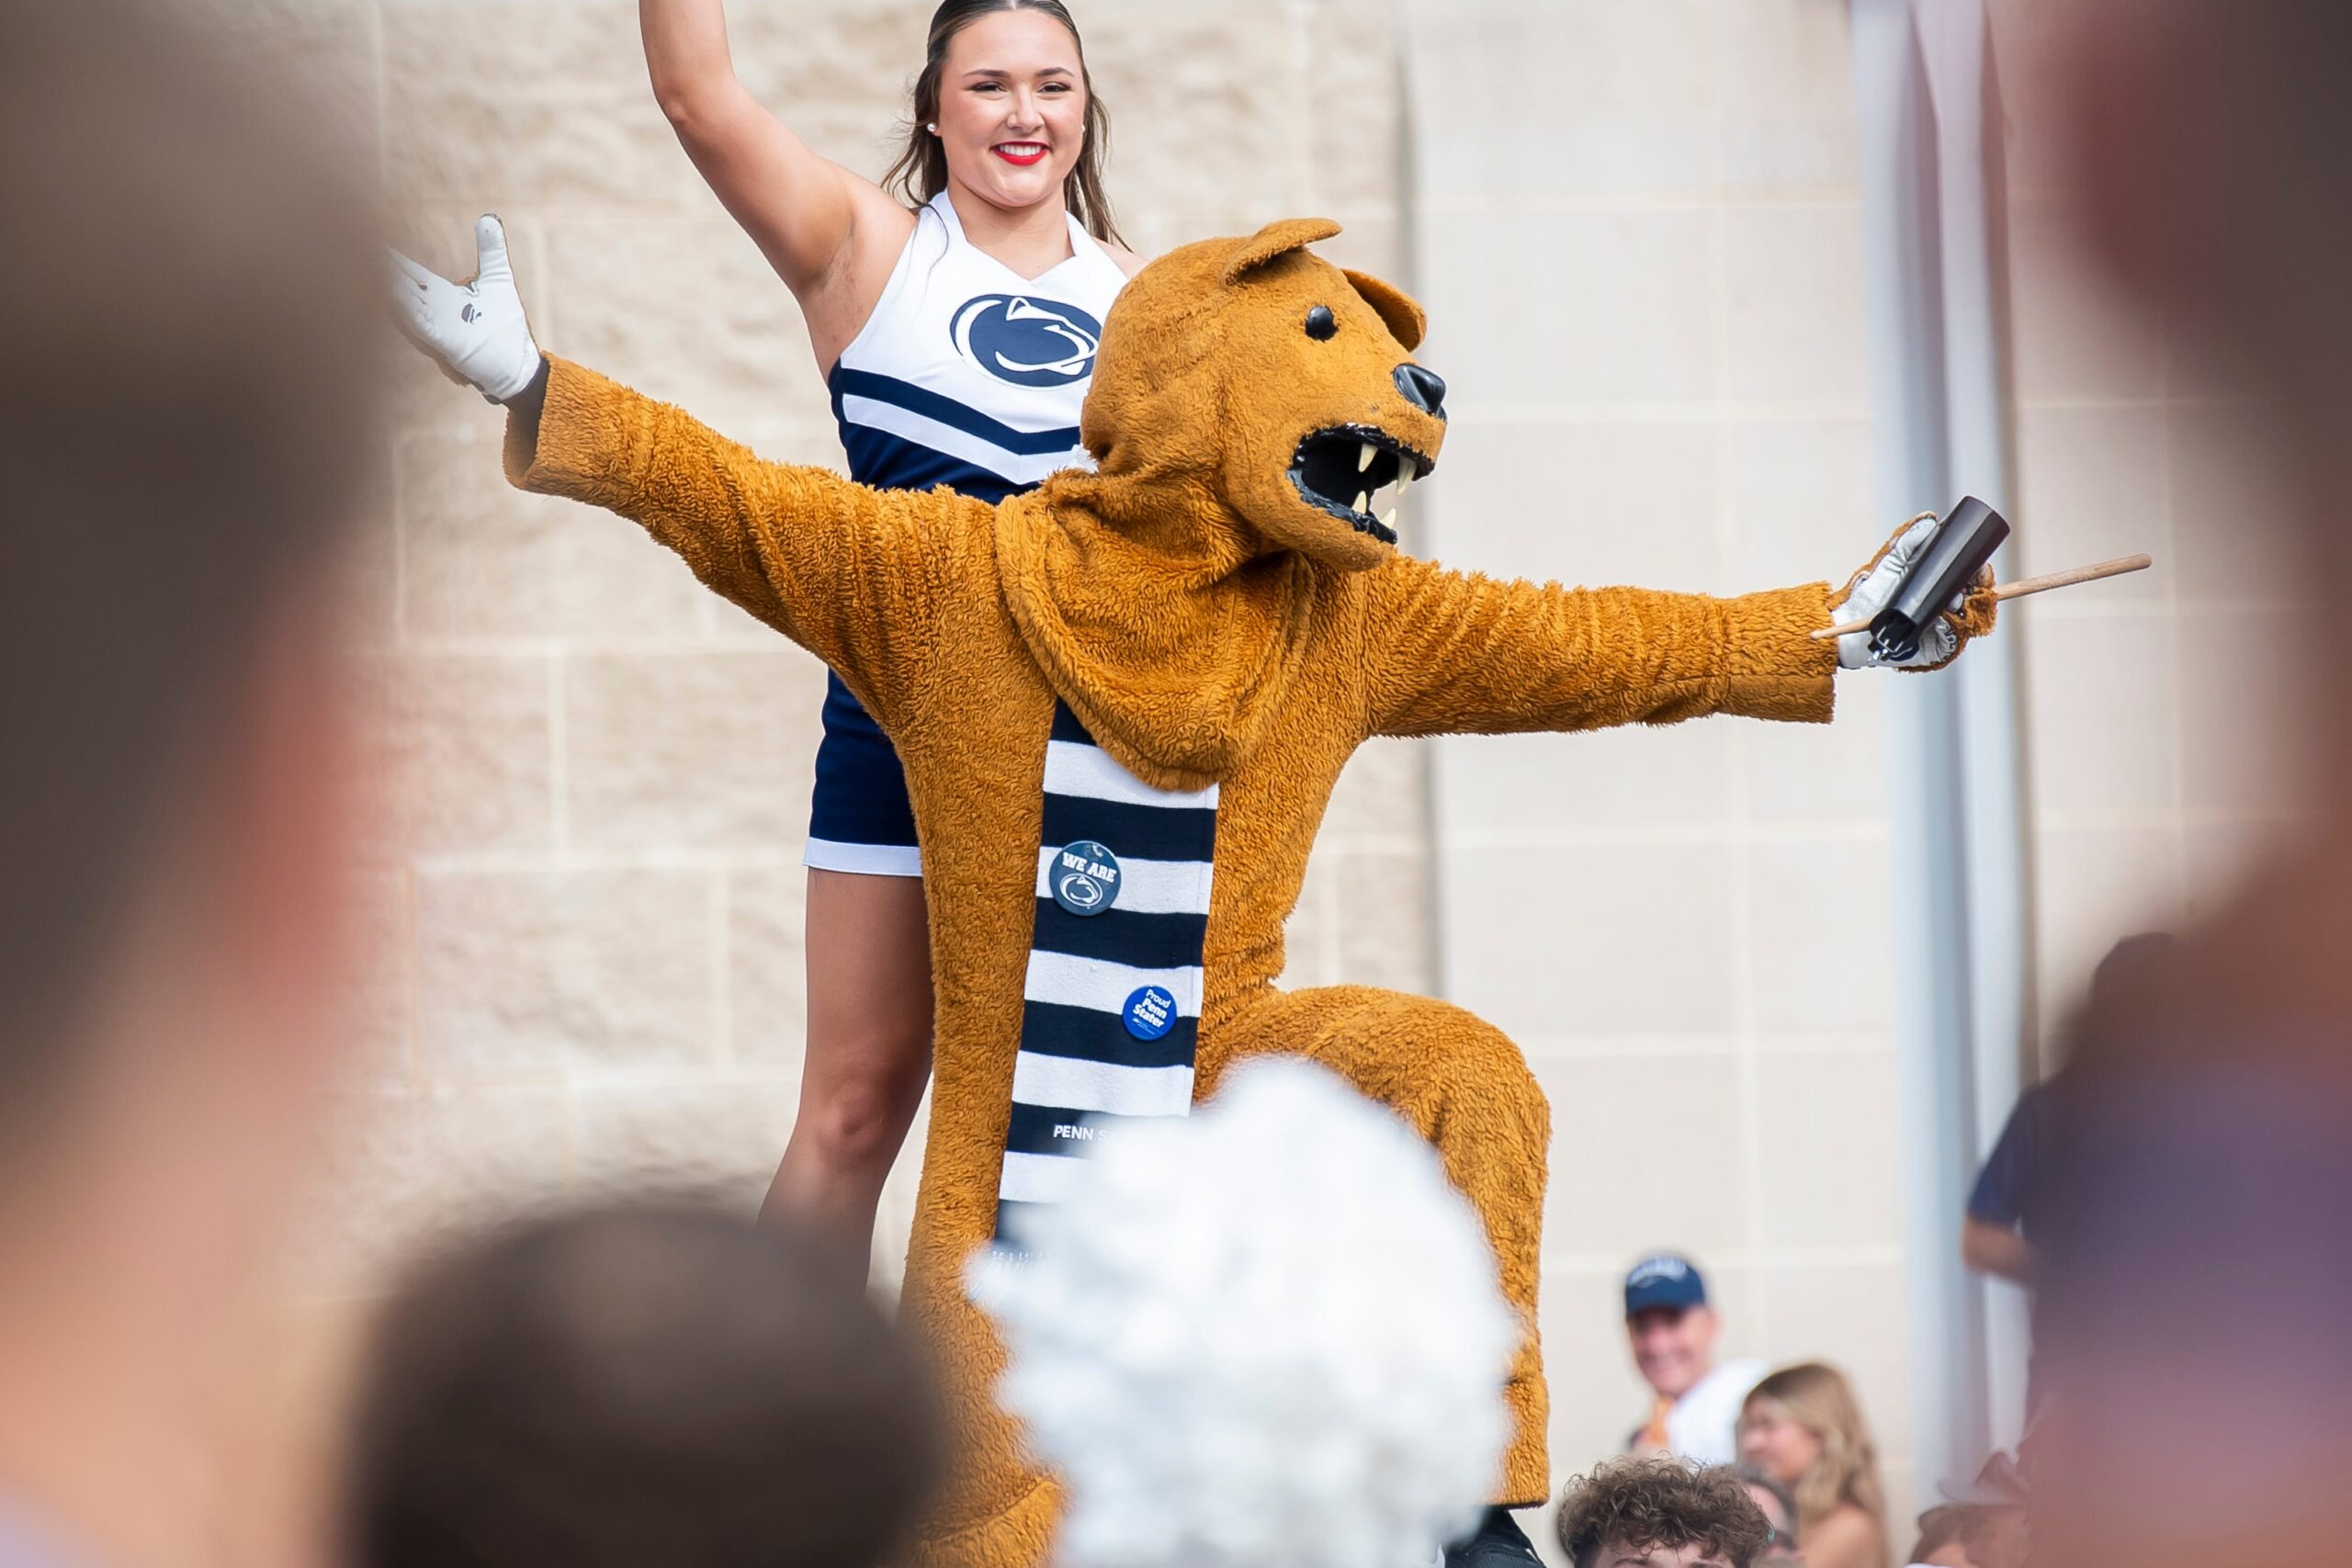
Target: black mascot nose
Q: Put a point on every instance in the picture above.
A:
(1424, 390)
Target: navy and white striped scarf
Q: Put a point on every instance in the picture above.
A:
(1111, 1004)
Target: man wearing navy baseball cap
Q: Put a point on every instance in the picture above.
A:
(1672, 1329)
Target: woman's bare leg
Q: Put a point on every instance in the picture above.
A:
(868, 948)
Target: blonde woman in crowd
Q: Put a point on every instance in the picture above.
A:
(1802, 1427)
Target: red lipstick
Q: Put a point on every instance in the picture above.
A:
(1023, 153)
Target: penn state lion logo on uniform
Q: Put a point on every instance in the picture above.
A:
(1029, 341)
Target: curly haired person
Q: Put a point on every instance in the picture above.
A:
(1661, 1513)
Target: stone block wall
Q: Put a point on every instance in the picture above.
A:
(1641, 245)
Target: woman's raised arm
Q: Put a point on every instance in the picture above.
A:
(803, 211)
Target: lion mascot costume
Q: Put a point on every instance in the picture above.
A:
(1122, 699)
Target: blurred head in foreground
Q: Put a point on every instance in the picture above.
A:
(1268, 1336)
(2195, 1232)
(659, 1383)
(185, 429)
(1661, 1513)
(2203, 143)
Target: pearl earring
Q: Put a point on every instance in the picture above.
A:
(933, 127)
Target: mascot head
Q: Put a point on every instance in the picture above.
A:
(1255, 373)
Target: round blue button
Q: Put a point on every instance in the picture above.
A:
(1084, 877)
(1151, 1011)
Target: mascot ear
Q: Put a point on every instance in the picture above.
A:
(1397, 308)
(1278, 238)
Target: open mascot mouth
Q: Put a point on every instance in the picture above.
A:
(1344, 471)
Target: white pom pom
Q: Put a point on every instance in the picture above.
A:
(1269, 1335)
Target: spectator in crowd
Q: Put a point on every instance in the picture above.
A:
(1980, 1524)
(1802, 1427)
(1660, 1512)
(1997, 1538)
(1970, 1535)
(658, 1383)
(1993, 1235)
(186, 431)
(1996, 1237)
(1940, 1542)
(1779, 1506)
(1672, 1327)
(1995, 1529)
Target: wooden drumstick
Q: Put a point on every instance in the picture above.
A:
(2024, 585)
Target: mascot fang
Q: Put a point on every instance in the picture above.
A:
(1122, 701)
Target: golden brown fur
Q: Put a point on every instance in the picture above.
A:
(1206, 623)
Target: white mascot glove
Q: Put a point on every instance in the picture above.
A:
(475, 331)
(1877, 584)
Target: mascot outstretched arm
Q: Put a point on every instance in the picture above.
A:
(1123, 700)
(1469, 654)
(848, 573)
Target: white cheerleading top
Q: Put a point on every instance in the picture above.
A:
(967, 374)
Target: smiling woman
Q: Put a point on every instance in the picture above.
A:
(1802, 1427)
(961, 101)
(955, 317)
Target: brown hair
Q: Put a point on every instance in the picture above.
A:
(189, 303)
(1817, 1397)
(920, 171)
(1938, 1528)
(661, 1382)
(1661, 1502)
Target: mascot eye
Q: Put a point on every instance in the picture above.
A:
(1320, 324)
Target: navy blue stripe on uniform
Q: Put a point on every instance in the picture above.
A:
(1066, 728)
(1140, 832)
(1050, 1130)
(892, 462)
(1056, 1029)
(932, 405)
(1121, 936)
(1046, 1130)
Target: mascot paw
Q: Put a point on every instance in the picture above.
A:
(1868, 591)
(475, 331)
